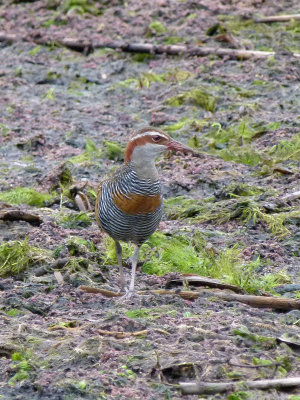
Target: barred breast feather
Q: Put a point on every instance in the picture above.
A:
(129, 208)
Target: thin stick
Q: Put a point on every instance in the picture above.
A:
(279, 18)
(88, 46)
(253, 301)
(291, 196)
(218, 387)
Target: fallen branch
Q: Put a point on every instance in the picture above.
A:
(253, 301)
(121, 335)
(291, 196)
(278, 18)
(197, 280)
(18, 215)
(218, 387)
(87, 47)
(105, 293)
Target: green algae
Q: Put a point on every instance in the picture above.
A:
(17, 256)
(75, 221)
(163, 254)
(25, 195)
(237, 143)
(286, 149)
(241, 203)
(199, 97)
(146, 79)
(91, 153)
(157, 27)
(113, 150)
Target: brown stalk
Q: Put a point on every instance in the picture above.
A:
(87, 47)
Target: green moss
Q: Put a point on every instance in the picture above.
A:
(173, 40)
(77, 245)
(22, 365)
(157, 27)
(199, 97)
(113, 150)
(286, 149)
(24, 195)
(141, 57)
(241, 204)
(75, 221)
(13, 312)
(188, 124)
(17, 256)
(35, 50)
(49, 95)
(239, 395)
(240, 189)
(236, 143)
(79, 7)
(147, 78)
(164, 254)
(244, 333)
(140, 313)
(91, 153)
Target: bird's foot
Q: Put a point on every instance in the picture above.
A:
(129, 296)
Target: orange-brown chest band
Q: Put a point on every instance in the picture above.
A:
(137, 203)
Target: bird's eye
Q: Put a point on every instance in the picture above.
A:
(156, 138)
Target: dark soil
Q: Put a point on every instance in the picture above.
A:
(58, 342)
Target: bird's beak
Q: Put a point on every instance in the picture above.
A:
(177, 146)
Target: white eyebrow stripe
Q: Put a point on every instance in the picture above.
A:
(153, 133)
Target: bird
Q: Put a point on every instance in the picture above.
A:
(129, 202)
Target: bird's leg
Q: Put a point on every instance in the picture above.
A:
(121, 271)
(134, 261)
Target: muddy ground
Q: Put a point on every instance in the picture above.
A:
(65, 119)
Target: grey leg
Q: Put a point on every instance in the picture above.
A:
(134, 261)
(119, 258)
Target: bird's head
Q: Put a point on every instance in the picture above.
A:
(148, 143)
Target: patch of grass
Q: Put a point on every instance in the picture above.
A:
(75, 221)
(24, 195)
(235, 190)
(286, 149)
(157, 27)
(163, 254)
(113, 150)
(49, 95)
(77, 245)
(239, 395)
(147, 78)
(23, 365)
(244, 333)
(235, 143)
(198, 96)
(188, 124)
(4, 130)
(35, 50)
(17, 256)
(13, 312)
(77, 6)
(91, 153)
(140, 313)
(245, 208)
(173, 40)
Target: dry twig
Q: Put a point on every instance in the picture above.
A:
(253, 301)
(87, 47)
(18, 215)
(279, 18)
(217, 387)
(291, 196)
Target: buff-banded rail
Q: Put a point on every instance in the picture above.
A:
(129, 203)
